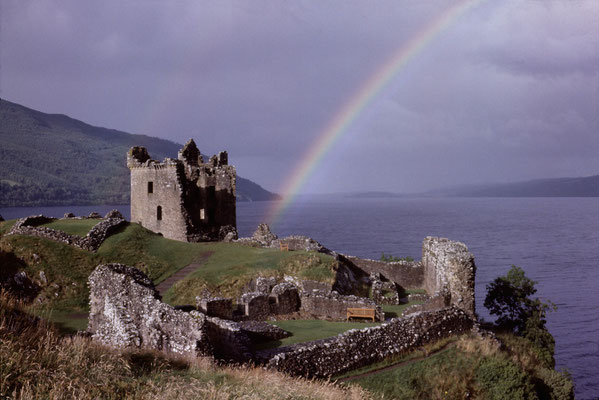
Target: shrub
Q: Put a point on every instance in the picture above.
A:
(502, 379)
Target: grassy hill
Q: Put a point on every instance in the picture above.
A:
(52, 159)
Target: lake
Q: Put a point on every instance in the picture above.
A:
(555, 240)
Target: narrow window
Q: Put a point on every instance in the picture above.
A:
(202, 215)
(159, 213)
(150, 187)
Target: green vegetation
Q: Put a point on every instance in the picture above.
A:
(78, 227)
(5, 226)
(509, 298)
(233, 265)
(37, 363)
(392, 258)
(81, 164)
(473, 368)
(308, 330)
(227, 269)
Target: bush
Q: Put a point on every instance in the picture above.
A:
(509, 298)
(503, 379)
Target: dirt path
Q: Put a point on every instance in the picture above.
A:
(393, 366)
(183, 272)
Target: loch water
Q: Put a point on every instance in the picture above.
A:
(555, 240)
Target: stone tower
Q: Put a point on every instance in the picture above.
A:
(185, 199)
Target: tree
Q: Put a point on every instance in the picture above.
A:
(509, 298)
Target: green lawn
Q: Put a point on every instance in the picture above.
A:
(78, 227)
(308, 330)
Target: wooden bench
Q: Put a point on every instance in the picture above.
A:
(361, 313)
(284, 246)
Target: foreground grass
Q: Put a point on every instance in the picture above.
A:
(35, 362)
(308, 330)
(78, 227)
(395, 310)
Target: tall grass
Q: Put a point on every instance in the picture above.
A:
(36, 362)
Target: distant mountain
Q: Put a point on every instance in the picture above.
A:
(553, 187)
(52, 159)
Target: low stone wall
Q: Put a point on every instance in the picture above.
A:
(331, 305)
(357, 348)
(228, 340)
(407, 274)
(215, 307)
(256, 305)
(449, 272)
(259, 331)
(91, 242)
(126, 311)
(286, 299)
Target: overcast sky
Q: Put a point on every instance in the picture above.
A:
(508, 92)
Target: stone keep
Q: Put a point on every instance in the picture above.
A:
(185, 199)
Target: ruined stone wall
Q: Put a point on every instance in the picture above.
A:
(126, 311)
(357, 348)
(331, 305)
(228, 340)
(407, 274)
(91, 242)
(196, 198)
(167, 193)
(216, 307)
(449, 272)
(256, 305)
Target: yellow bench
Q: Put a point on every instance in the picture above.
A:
(361, 313)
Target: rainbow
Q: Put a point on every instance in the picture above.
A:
(362, 98)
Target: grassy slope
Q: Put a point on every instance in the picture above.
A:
(227, 270)
(471, 369)
(35, 362)
(231, 266)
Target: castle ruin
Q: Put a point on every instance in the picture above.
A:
(186, 199)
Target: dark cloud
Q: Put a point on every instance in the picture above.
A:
(509, 91)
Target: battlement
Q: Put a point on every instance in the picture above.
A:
(186, 198)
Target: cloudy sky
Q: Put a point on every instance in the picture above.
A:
(508, 91)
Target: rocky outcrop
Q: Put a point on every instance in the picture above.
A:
(126, 311)
(91, 242)
(357, 348)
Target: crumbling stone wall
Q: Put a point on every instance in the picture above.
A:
(216, 307)
(91, 242)
(331, 305)
(256, 305)
(356, 348)
(228, 340)
(186, 199)
(449, 272)
(407, 274)
(126, 311)
(284, 299)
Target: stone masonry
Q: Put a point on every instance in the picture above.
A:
(449, 272)
(189, 199)
(126, 311)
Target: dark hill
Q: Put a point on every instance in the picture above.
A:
(555, 187)
(52, 159)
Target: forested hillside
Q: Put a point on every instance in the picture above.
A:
(52, 159)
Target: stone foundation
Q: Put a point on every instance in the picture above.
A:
(331, 305)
